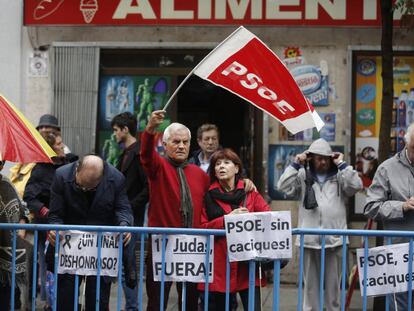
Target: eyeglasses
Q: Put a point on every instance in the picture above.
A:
(85, 189)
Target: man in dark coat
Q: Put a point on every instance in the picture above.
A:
(208, 136)
(124, 126)
(88, 192)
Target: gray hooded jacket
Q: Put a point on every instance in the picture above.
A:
(393, 184)
(331, 195)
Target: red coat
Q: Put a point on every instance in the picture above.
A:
(239, 271)
(164, 189)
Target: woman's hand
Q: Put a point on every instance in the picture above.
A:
(249, 186)
(240, 210)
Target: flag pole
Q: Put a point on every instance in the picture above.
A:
(192, 71)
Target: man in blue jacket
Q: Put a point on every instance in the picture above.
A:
(88, 192)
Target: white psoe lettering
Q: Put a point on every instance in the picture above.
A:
(252, 81)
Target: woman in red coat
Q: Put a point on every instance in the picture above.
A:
(226, 195)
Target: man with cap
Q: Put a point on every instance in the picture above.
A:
(49, 123)
(322, 181)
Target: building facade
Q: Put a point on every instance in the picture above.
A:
(87, 60)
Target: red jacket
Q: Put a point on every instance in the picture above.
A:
(164, 190)
(239, 271)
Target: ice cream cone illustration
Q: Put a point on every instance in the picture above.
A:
(88, 9)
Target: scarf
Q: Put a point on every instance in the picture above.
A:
(11, 211)
(186, 202)
(309, 200)
(234, 199)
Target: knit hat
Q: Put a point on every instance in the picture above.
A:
(320, 147)
(48, 120)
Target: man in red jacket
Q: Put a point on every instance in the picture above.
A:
(177, 192)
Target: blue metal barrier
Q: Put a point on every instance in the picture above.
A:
(143, 231)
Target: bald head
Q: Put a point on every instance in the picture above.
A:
(89, 172)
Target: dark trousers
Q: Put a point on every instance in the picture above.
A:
(66, 292)
(217, 301)
(5, 301)
(5, 297)
(154, 290)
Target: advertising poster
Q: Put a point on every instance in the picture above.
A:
(139, 95)
(312, 79)
(280, 157)
(367, 113)
(368, 86)
(366, 163)
(327, 132)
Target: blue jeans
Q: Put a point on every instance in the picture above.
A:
(131, 295)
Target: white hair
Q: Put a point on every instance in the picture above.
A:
(409, 133)
(172, 128)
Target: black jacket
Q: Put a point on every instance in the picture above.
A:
(37, 190)
(69, 205)
(136, 184)
(194, 159)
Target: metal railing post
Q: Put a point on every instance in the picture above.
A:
(13, 278)
(344, 257)
(98, 276)
(56, 264)
(120, 269)
(141, 270)
(300, 285)
(276, 284)
(227, 283)
(322, 275)
(252, 284)
(34, 275)
(207, 261)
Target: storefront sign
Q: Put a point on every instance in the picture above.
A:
(203, 12)
(259, 236)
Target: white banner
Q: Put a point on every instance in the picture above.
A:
(387, 269)
(264, 235)
(185, 258)
(79, 253)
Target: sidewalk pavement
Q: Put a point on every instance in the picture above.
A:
(287, 302)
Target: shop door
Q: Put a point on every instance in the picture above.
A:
(200, 102)
(197, 102)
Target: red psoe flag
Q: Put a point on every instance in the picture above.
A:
(245, 66)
